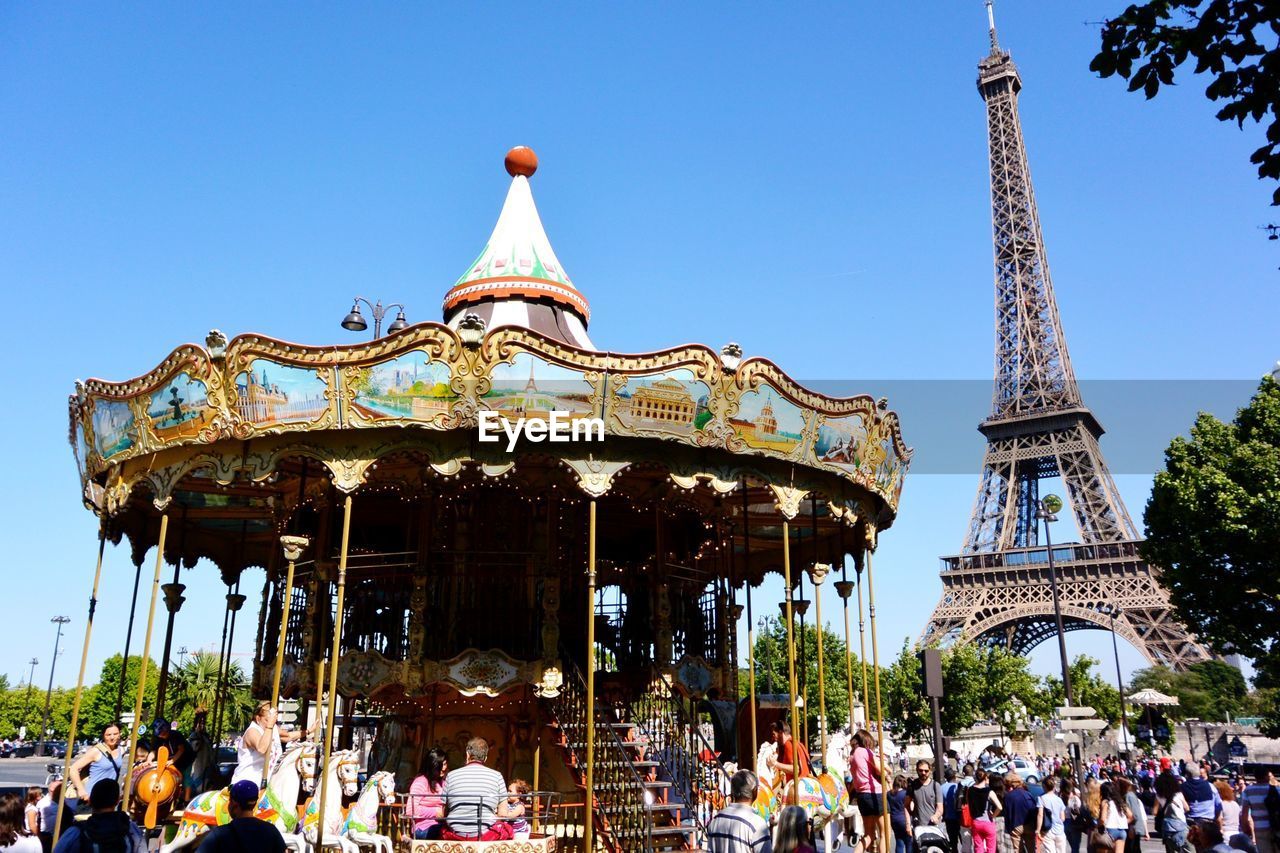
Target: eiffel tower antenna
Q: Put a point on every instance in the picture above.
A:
(997, 590)
(991, 27)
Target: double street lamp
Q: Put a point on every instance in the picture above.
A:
(1112, 611)
(44, 726)
(355, 322)
(1047, 511)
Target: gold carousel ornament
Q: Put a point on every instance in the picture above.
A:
(447, 587)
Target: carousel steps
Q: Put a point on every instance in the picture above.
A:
(663, 837)
(651, 808)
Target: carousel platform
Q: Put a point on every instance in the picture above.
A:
(536, 844)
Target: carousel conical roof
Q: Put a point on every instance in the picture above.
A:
(517, 280)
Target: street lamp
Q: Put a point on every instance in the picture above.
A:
(182, 656)
(1111, 611)
(44, 726)
(31, 680)
(355, 322)
(1047, 511)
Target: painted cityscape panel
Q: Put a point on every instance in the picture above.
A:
(180, 408)
(842, 442)
(272, 393)
(671, 401)
(768, 421)
(114, 430)
(531, 387)
(408, 386)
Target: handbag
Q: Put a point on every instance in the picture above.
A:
(966, 816)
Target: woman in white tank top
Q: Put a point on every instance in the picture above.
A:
(261, 742)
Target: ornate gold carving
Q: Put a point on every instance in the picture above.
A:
(595, 476)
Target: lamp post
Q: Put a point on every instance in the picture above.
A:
(1115, 650)
(182, 656)
(355, 322)
(44, 725)
(1046, 511)
(31, 680)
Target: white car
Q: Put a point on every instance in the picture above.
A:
(1027, 772)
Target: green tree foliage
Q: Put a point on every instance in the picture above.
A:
(99, 709)
(1090, 688)
(1232, 41)
(771, 669)
(1213, 525)
(194, 687)
(979, 683)
(1208, 690)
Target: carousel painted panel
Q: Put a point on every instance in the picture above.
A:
(841, 442)
(412, 387)
(274, 394)
(672, 403)
(532, 387)
(767, 421)
(115, 428)
(180, 408)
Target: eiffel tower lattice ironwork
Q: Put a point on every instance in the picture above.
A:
(997, 591)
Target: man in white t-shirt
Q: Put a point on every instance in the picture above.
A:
(1053, 813)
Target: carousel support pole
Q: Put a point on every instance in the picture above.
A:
(751, 642)
(128, 641)
(146, 647)
(791, 649)
(862, 642)
(333, 668)
(222, 653)
(234, 602)
(875, 654)
(84, 658)
(844, 589)
(537, 774)
(293, 547)
(802, 667)
(589, 808)
(817, 574)
(172, 604)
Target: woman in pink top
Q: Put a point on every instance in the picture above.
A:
(426, 800)
(867, 788)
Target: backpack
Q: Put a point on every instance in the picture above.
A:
(1046, 822)
(106, 845)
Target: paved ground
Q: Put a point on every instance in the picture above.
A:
(20, 772)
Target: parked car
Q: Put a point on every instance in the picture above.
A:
(224, 765)
(1027, 772)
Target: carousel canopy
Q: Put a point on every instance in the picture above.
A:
(518, 280)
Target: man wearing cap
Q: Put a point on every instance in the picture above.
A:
(245, 832)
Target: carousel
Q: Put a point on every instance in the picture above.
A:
(490, 527)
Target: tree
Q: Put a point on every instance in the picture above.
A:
(1207, 690)
(99, 708)
(1088, 687)
(1225, 38)
(772, 674)
(194, 687)
(1213, 526)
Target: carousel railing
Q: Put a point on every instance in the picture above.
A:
(698, 777)
(623, 799)
(542, 814)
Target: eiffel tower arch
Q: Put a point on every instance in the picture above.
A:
(997, 590)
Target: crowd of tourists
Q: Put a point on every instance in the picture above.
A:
(1191, 807)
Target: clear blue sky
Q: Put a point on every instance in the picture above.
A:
(810, 181)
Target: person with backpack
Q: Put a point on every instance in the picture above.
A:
(951, 796)
(106, 830)
(1053, 814)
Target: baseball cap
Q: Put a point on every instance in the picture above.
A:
(244, 792)
(1166, 763)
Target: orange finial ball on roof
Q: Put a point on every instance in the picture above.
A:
(521, 161)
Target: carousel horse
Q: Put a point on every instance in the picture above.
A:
(155, 786)
(766, 803)
(824, 797)
(292, 772)
(319, 831)
(362, 818)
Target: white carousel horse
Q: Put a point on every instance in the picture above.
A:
(343, 774)
(293, 772)
(362, 818)
(839, 749)
(766, 803)
(824, 797)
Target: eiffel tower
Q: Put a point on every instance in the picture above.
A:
(997, 591)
